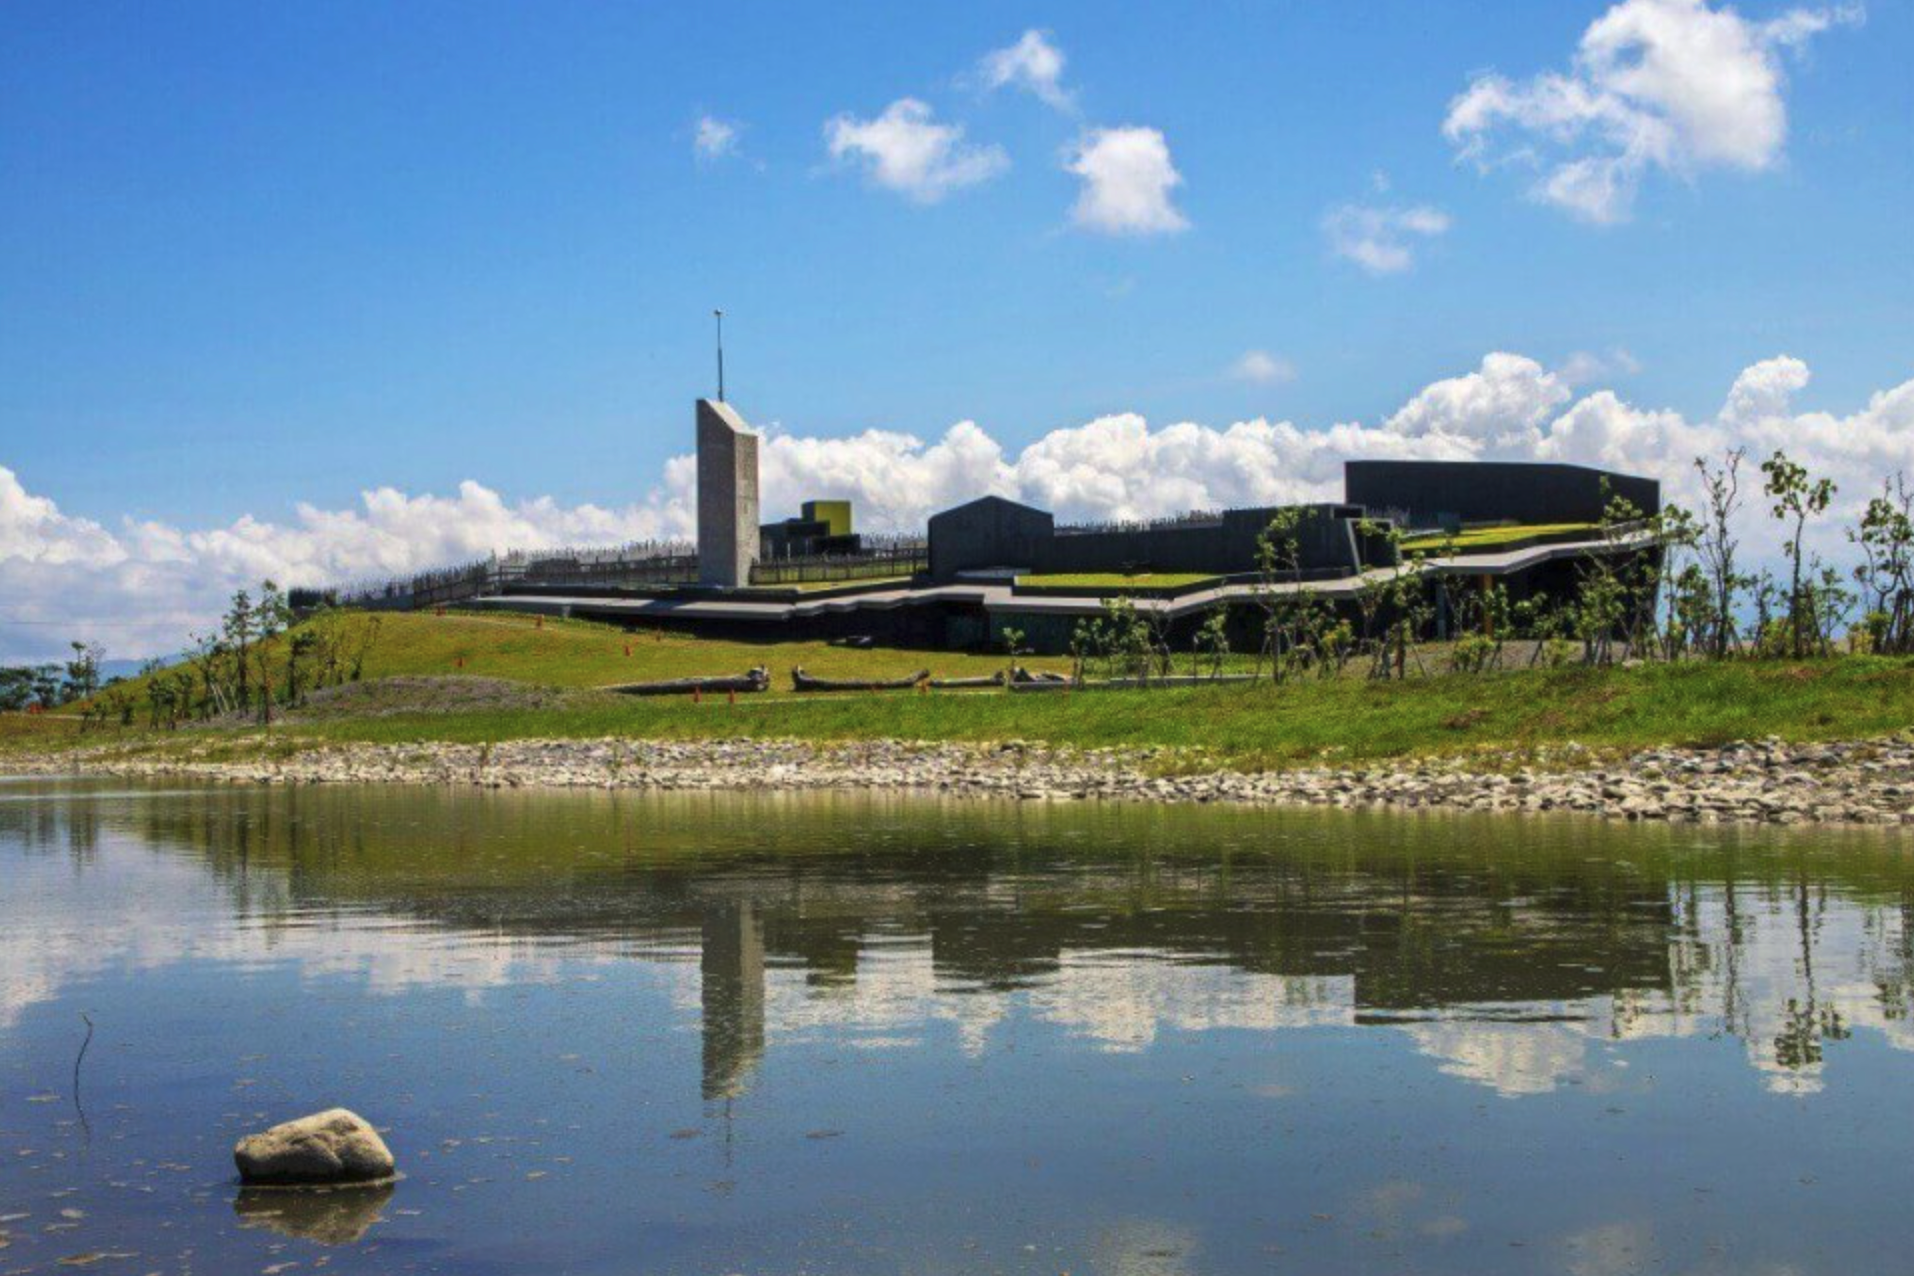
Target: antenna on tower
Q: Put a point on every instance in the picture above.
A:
(719, 316)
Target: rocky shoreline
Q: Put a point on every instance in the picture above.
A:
(1766, 782)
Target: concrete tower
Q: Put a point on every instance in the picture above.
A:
(727, 496)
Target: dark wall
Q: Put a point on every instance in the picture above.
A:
(987, 532)
(1225, 547)
(1444, 493)
(994, 532)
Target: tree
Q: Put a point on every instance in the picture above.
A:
(1483, 617)
(83, 671)
(21, 686)
(237, 631)
(1886, 570)
(1680, 581)
(1013, 642)
(46, 686)
(1211, 644)
(1797, 497)
(270, 618)
(1294, 617)
(1717, 544)
(1615, 585)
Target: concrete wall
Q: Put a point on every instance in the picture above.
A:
(1446, 493)
(727, 496)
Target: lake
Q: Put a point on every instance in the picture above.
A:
(802, 1033)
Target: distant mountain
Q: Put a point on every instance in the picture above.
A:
(110, 669)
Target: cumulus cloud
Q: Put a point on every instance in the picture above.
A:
(1033, 64)
(1382, 239)
(142, 587)
(1260, 367)
(1128, 179)
(1672, 85)
(713, 138)
(907, 151)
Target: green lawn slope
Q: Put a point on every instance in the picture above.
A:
(438, 678)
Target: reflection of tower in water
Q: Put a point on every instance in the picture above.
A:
(733, 968)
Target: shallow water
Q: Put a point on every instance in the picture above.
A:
(710, 1034)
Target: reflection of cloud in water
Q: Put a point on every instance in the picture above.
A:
(154, 912)
(1511, 1059)
(1794, 973)
(896, 995)
(1124, 1005)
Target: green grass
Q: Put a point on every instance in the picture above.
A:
(580, 653)
(1116, 580)
(862, 582)
(1351, 720)
(31, 732)
(1494, 537)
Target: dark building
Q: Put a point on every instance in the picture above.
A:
(994, 533)
(967, 584)
(821, 527)
(1449, 494)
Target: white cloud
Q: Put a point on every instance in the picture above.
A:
(1263, 368)
(906, 151)
(1127, 183)
(143, 586)
(714, 138)
(1655, 84)
(1033, 63)
(1381, 239)
(1584, 366)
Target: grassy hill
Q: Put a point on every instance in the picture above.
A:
(476, 678)
(579, 653)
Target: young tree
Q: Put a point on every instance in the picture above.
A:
(1210, 646)
(1886, 570)
(271, 615)
(1483, 616)
(237, 632)
(366, 638)
(1013, 644)
(1717, 544)
(1293, 615)
(1798, 496)
(1678, 533)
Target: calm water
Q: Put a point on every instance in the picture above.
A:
(774, 1035)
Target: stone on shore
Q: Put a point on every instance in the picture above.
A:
(335, 1146)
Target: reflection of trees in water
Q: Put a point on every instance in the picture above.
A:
(1646, 931)
(51, 826)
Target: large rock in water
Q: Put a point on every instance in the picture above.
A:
(327, 1147)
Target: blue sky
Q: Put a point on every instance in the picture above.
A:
(258, 255)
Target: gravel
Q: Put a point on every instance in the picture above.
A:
(1759, 782)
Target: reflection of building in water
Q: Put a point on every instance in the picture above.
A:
(733, 970)
(1510, 970)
